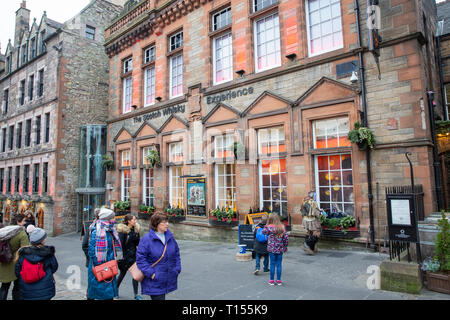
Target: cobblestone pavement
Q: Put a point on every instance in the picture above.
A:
(210, 271)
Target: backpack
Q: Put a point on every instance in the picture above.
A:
(260, 236)
(6, 255)
(32, 272)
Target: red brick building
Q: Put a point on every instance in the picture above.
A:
(192, 77)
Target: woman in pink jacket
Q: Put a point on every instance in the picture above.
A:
(277, 244)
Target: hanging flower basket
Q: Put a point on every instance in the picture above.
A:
(107, 162)
(362, 136)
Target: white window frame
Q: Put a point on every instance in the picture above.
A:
(127, 107)
(264, 6)
(176, 148)
(148, 57)
(255, 37)
(148, 188)
(342, 185)
(171, 76)
(125, 181)
(175, 43)
(128, 65)
(223, 143)
(338, 133)
(273, 140)
(152, 86)
(179, 185)
(230, 58)
(260, 181)
(218, 197)
(308, 32)
(225, 11)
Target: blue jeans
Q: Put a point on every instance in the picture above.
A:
(275, 261)
(258, 259)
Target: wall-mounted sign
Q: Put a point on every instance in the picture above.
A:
(162, 112)
(196, 196)
(232, 94)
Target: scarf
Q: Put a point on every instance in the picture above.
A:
(101, 242)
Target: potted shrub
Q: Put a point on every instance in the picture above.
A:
(362, 136)
(223, 217)
(107, 162)
(438, 269)
(153, 159)
(122, 207)
(145, 212)
(344, 227)
(175, 214)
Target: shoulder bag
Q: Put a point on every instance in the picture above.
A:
(106, 270)
(137, 274)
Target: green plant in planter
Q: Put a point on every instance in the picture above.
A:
(122, 205)
(362, 136)
(174, 212)
(107, 162)
(153, 159)
(222, 214)
(442, 245)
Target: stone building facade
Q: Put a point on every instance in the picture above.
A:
(189, 78)
(55, 80)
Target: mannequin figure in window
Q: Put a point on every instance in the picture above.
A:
(311, 214)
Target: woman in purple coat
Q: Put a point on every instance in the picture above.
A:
(158, 257)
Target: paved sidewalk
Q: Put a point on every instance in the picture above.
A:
(210, 272)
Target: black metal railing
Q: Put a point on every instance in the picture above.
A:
(397, 248)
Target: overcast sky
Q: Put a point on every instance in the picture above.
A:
(58, 10)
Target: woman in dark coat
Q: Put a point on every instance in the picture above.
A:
(42, 287)
(129, 238)
(159, 245)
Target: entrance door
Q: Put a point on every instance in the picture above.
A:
(86, 206)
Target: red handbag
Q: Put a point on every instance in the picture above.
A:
(106, 270)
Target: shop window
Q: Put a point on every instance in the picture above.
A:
(148, 195)
(225, 185)
(223, 146)
(271, 141)
(267, 43)
(334, 183)
(273, 186)
(223, 58)
(176, 152)
(324, 26)
(149, 85)
(176, 188)
(331, 133)
(125, 176)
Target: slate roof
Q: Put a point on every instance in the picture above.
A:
(443, 13)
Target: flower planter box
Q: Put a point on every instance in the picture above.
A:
(351, 233)
(217, 223)
(176, 219)
(438, 282)
(144, 215)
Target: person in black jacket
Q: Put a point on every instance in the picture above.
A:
(85, 243)
(40, 257)
(129, 238)
(29, 219)
(260, 248)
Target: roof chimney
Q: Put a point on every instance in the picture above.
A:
(22, 22)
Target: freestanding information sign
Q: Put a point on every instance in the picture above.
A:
(401, 217)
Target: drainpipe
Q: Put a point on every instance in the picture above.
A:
(441, 79)
(365, 124)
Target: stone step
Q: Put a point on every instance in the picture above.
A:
(434, 217)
